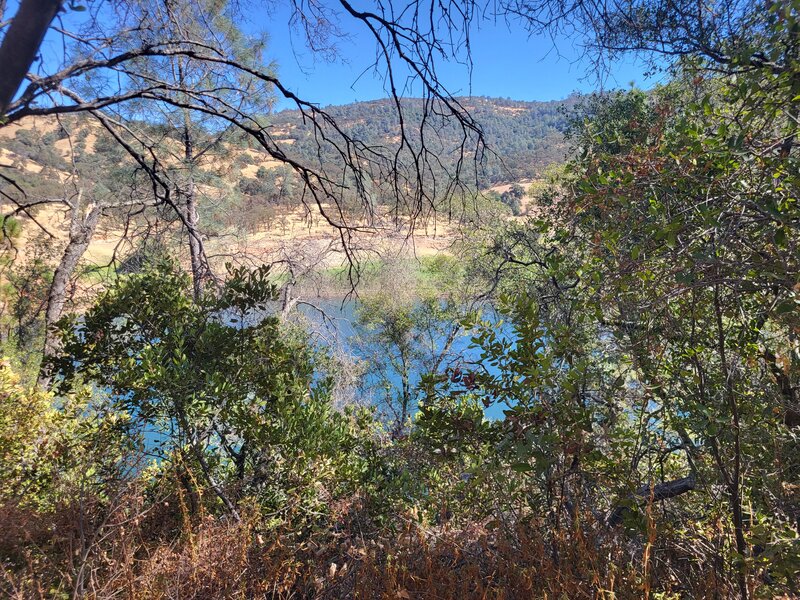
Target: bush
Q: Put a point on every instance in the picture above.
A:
(52, 448)
(224, 390)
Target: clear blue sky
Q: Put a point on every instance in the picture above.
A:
(506, 64)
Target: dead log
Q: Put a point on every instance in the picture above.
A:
(661, 491)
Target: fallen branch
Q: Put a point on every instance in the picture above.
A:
(661, 491)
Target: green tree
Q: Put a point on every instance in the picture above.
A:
(54, 450)
(214, 385)
(407, 332)
(668, 261)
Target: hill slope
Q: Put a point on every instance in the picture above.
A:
(526, 136)
(243, 191)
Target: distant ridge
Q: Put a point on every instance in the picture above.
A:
(240, 183)
(528, 136)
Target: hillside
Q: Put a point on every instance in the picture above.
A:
(524, 136)
(247, 199)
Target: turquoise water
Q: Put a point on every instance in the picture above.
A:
(333, 322)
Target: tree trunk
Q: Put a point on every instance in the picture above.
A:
(288, 301)
(21, 44)
(405, 400)
(195, 249)
(734, 481)
(195, 245)
(81, 230)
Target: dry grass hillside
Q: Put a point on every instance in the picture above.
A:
(55, 159)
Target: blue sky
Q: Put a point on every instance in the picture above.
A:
(507, 63)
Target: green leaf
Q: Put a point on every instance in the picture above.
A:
(787, 306)
(521, 467)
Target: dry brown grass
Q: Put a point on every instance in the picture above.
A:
(133, 549)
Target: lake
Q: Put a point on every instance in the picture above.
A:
(334, 324)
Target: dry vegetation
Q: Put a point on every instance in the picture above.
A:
(249, 239)
(127, 554)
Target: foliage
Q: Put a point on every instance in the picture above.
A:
(512, 197)
(644, 364)
(408, 329)
(52, 448)
(24, 296)
(658, 355)
(214, 385)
